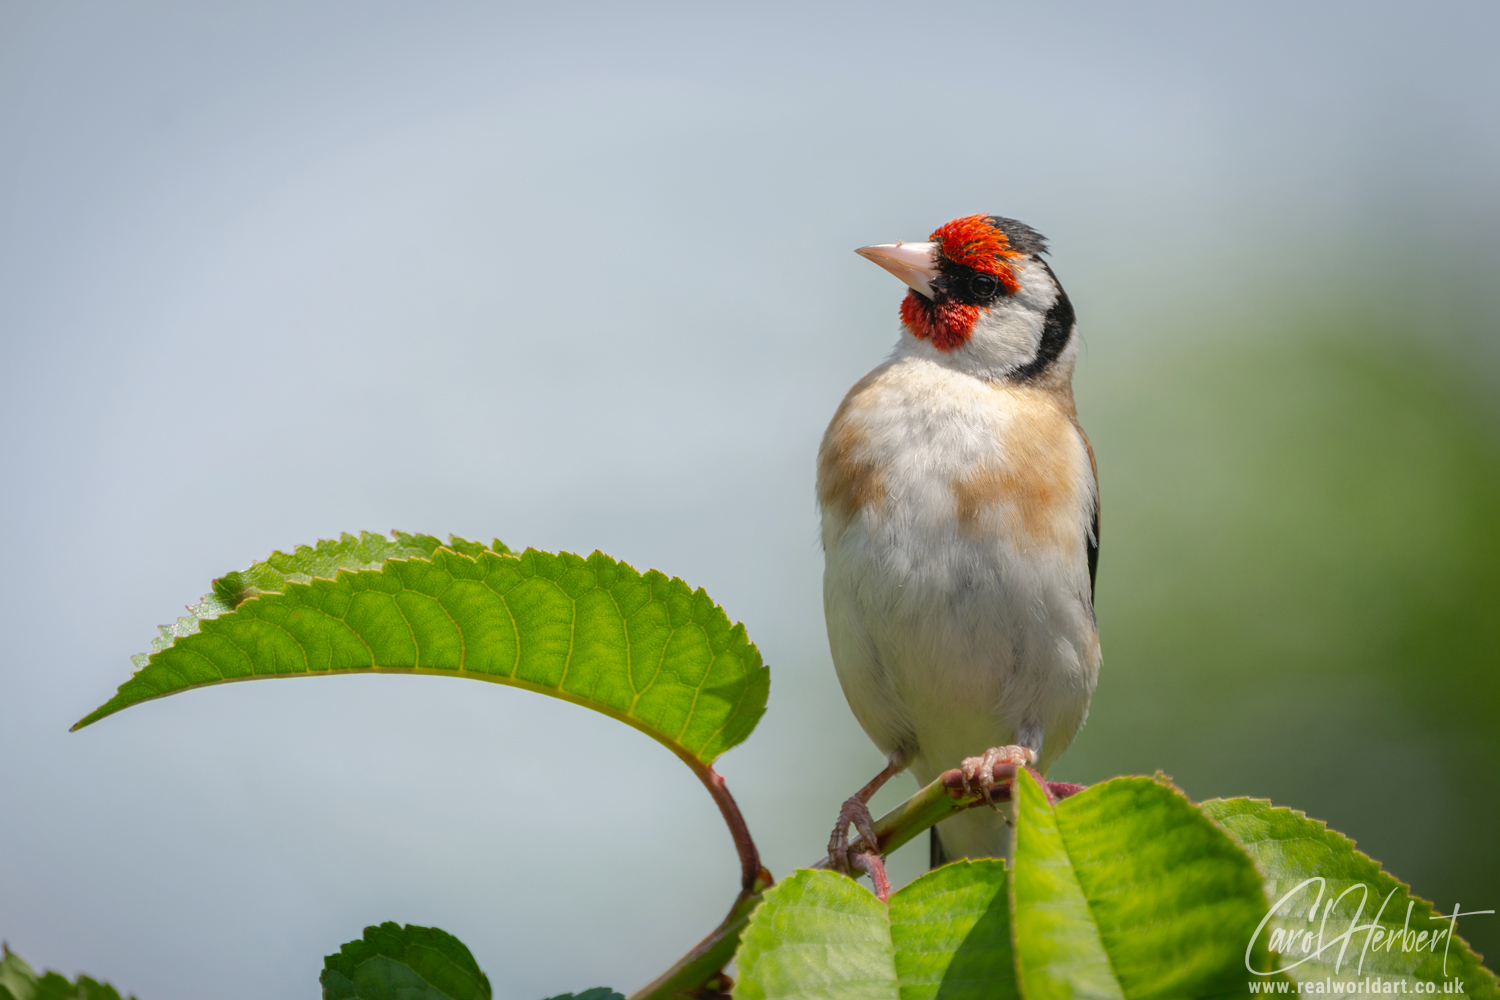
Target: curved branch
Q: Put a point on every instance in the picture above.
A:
(750, 869)
(943, 798)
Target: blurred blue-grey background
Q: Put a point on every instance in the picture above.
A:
(579, 276)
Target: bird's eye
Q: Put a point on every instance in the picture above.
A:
(983, 285)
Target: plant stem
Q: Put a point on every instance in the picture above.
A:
(697, 972)
(700, 971)
(750, 869)
(943, 798)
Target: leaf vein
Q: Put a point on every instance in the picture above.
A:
(515, 628)
(416, 646)
(572, 643)
(211, 663)
(241, 650)
(660, 662)
(463, 640)
(306, 663)
(343, 619)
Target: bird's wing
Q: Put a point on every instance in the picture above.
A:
(1092, 541)
(1093, 544)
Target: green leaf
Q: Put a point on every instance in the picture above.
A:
(307, 562)
(18, 982)
(819, 934)
(597, 993)
(951, 932)
(1368, 924)
(1127, 890)
(392, 962)
(643, 648)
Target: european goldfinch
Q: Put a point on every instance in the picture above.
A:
(960, 526)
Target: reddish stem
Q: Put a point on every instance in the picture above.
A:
(1062, 789)
(750, 869)
(873, 866)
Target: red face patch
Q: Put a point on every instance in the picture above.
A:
(948, 324)
(973, 242)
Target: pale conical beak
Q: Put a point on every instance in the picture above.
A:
(913, 263)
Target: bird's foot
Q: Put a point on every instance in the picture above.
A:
(874, 866)
(960, 786)
(981, 773)
(841, 854)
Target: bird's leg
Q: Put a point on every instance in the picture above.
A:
(979, 772)
(856, 810)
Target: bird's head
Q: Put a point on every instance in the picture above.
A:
(982, 295)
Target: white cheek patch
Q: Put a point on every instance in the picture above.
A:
(1006, 336)
(1039, 290)
(1009, 333)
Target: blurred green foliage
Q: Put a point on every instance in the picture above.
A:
(19, 982)
(1299, 591)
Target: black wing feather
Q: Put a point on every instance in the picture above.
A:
(1093, 544)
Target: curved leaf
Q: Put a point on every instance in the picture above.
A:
(271, 575)
(1127, 890)
(1368, 927)
(643, 648)
(819, 934)
(392, 962)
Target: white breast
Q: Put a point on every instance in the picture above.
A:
(956, 516)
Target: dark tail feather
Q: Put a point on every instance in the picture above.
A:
(935, 856)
